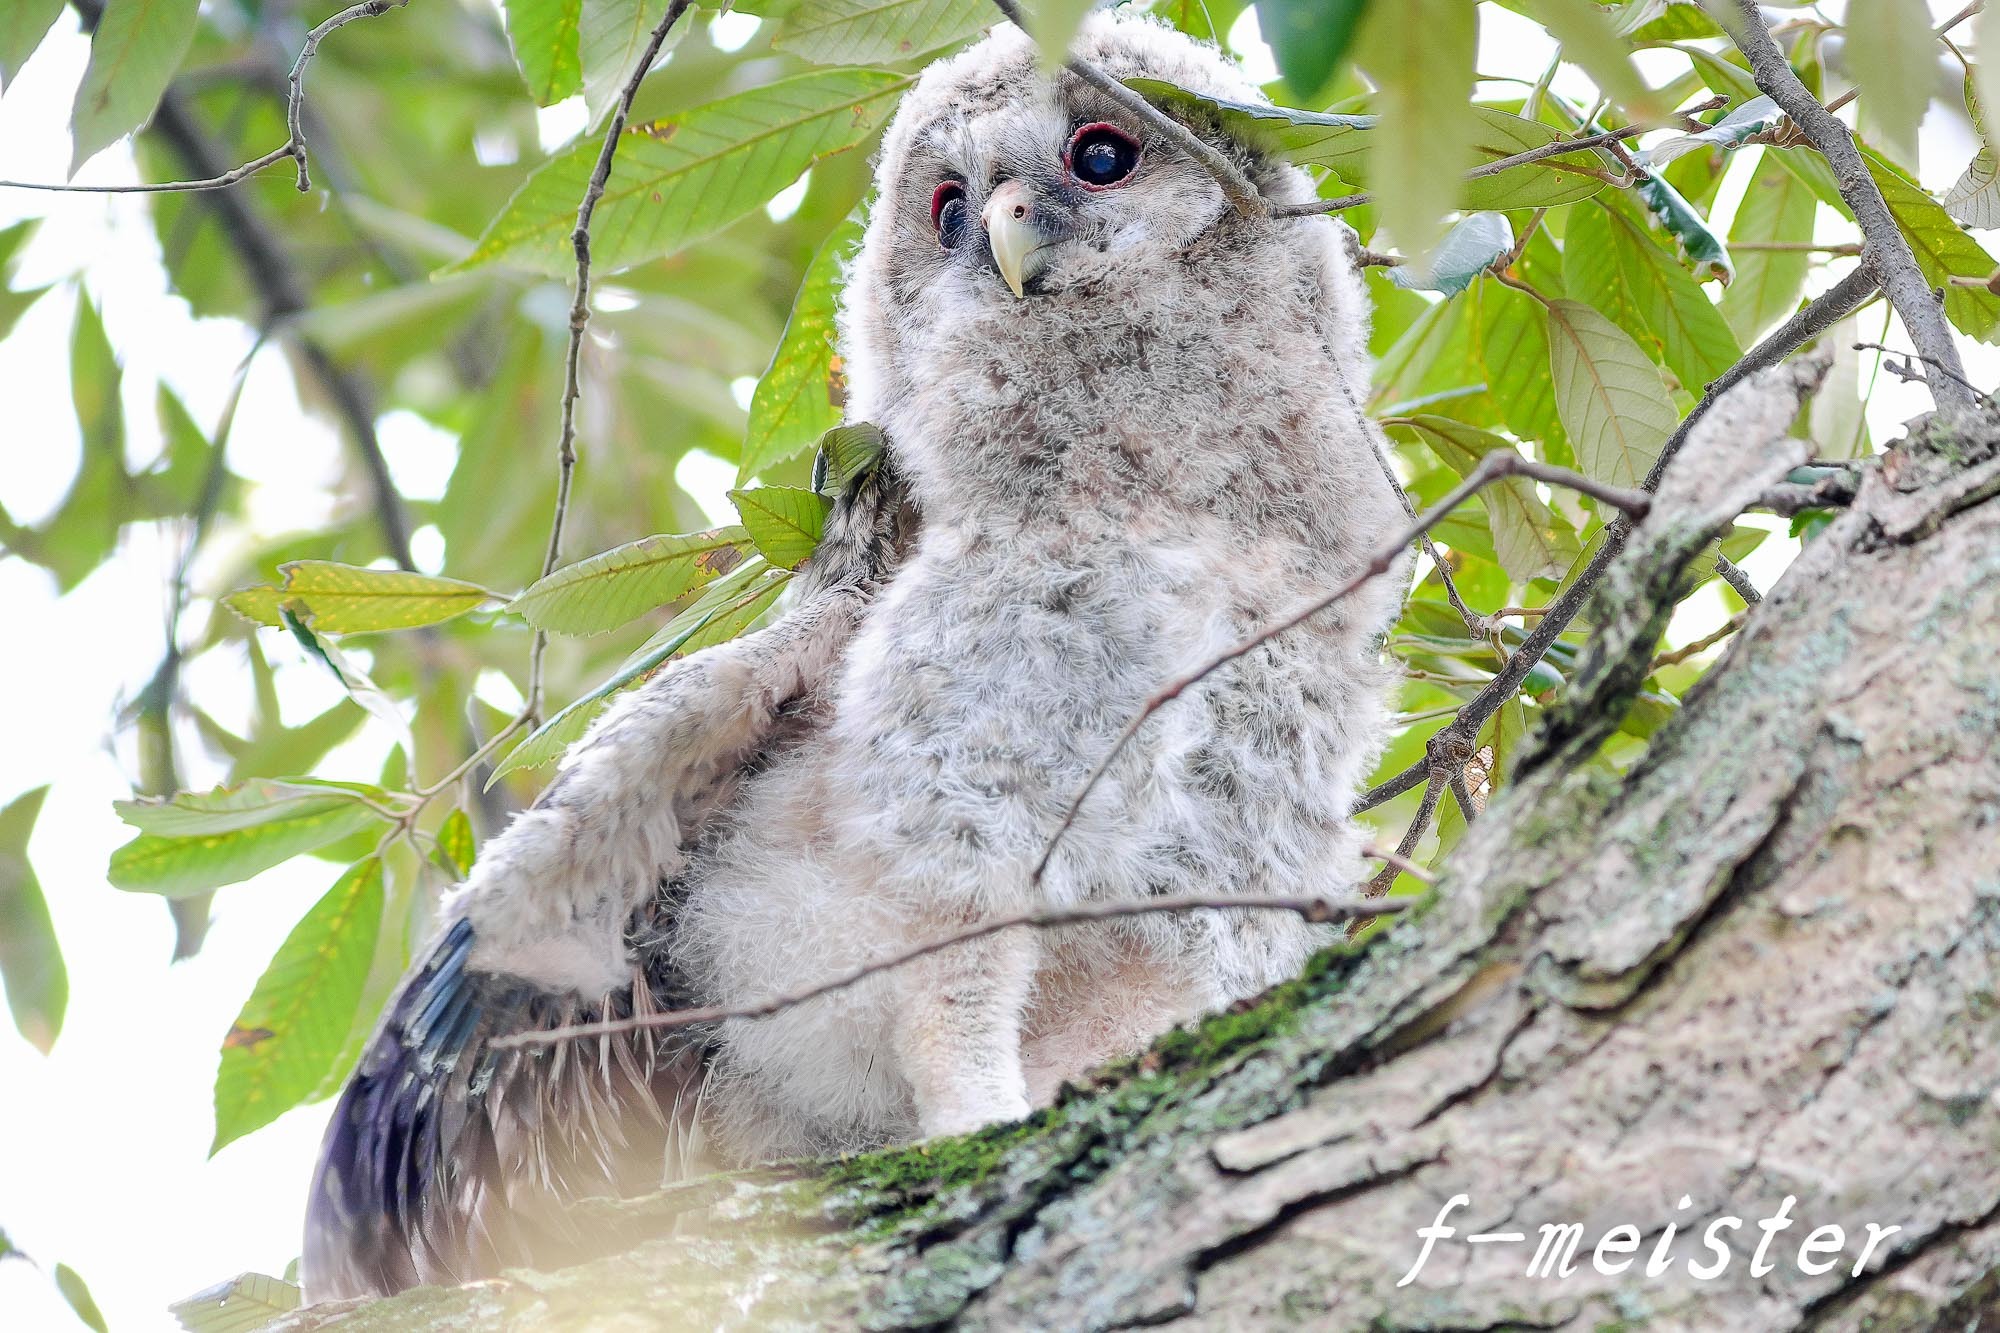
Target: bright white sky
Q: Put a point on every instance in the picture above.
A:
(103, 1144)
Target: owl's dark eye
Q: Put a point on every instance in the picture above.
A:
(1101, 156)
(948, 213)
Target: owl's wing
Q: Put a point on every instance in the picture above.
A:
(447, 1158)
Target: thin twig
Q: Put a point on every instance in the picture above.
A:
(1903, 372)
(1818, 315)
(1494, 466)
(1701, 645)
(1412, 835)
(294, 146)
(1240, 189)
(1732, 574)
(1888, 250)
(1319, 911)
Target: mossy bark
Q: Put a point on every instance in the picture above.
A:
(1764, 963)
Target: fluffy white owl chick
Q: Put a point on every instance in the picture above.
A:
(1124, 432)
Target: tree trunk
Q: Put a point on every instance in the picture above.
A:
(1759, 967)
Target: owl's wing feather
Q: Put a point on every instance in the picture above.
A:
(447, 1158)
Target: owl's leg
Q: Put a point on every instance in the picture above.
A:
(958, 1035)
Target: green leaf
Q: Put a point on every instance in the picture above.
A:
(1307, 138)
(873, 32)
(31, 962)
(1756, 116)
(1696, 340)
(1467, 251)
(1528, 540)
(1308, 39)
(1614, 407)
(175, 867)
(1942, 250)
(682, 178)
(846, 454)
(784, 521)
(611, 39)
(13, 305)
(353, 679)
(75, 1292)
(544, 37)
(607, 590)
(1551, 181)
(1589, 39)
(1419, 54)
(190, 814)
(23, 24)
(133, 54)
(455, 846)
(296, 1020)
(348, 599)
(721, 613)
(243, 1304)
(1777, 208)
(799, 398)
(1893, 57)
(1513, 342)
(1054, 24)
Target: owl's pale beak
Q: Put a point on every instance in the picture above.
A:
(1012, 235)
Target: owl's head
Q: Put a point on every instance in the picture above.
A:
(1014, 199)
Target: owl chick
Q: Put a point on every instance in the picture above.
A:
(1124, 432)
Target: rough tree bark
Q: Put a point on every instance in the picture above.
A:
(1762, 964)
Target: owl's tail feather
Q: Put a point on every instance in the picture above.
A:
(447, 1160)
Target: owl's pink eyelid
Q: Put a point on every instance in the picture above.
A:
(1091, 128)
(942, 196)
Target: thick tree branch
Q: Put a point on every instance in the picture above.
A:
(1493, 467)
(294, 146)
(1887, 250)
(1453, 743)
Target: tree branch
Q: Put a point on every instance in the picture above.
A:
(294, 146)
(1733, 575)
(1452, 742)
(1887, 250)
(1492, 467)
(1319, 911)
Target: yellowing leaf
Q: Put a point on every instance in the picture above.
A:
(679, 179)
(607, 590)
(1614, 407)
(133, 55)
(296, 1020)
(1942, 250)
(175, 867)
(256, 801)
(784, 521)
(1420, 55)
(348, 599)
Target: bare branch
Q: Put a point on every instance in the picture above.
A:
(1701, 645)
(1888, 251)
(294, 146)
(1819, 315)
(1492, 467)
(1732, 574)
(1320, 911)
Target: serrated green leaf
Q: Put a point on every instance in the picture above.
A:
(243, 1304)
(722, 612)
(874, 32)
(296, 1020)
(1513, 345)
(1777, 208)
(348, 599)
(1307, 138)
(1546, 183)
(797, 400)
(1419, 54)
(177, 867)
(1893, 57)
(1528, 540)
(1308, 38)
(611, 39)
(1466, 251)
(23, 24)
(31, 962)
(784, 521)
(686, 176)
(1615, 409)
(1696, 341)
(544, 36)
(846, 454)
(607, 590)
(1589, 39)
(189, 814)
(133, 54)
(1942, 250)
